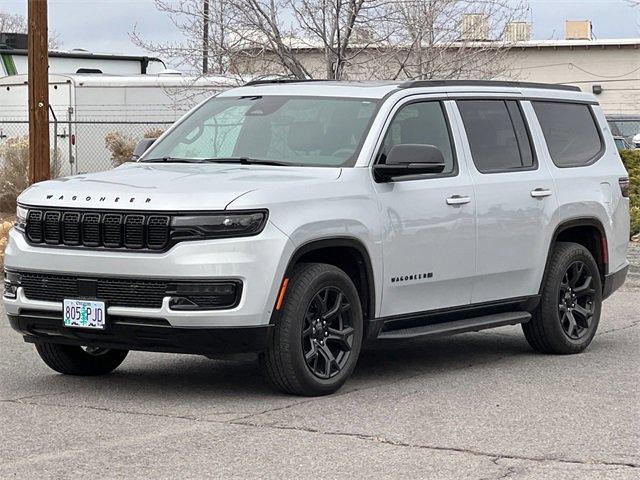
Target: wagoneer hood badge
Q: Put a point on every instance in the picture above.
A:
(169, 187)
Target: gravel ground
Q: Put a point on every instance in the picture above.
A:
(634, 257)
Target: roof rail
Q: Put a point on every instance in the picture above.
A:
(282, 80)
(486, 83)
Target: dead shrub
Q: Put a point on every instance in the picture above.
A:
(122, 146)
(14, 166)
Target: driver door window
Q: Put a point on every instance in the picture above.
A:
(421, 123)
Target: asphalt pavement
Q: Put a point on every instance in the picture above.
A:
(474, 406)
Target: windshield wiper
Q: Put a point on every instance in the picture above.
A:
(171, 160)
(246, 161)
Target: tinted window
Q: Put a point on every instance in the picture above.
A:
(570, 132)
(497, 135)
(421, 123)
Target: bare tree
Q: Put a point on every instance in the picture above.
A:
(451, 38)
(338, 39)
(265, 35)
(268, 33)
(191, 18)
(12, 23)
(16, 23)
(343, 29)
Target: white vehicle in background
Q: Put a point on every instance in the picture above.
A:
(85, 108)
(299, 220)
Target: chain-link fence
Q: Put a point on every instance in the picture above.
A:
(625, 126)
(80, 146)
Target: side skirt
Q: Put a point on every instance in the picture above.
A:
(454, 320)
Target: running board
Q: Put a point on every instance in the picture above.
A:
(458, 326)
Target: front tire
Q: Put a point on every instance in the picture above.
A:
(569, 312)
(318, 334)
(72, 360)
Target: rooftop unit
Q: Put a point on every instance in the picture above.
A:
(475, 27)
(518, 32)
(578, 30)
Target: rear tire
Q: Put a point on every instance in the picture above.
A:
(567, 317)
(72, 360)
(317, 335)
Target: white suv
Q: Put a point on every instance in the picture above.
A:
(303, 219)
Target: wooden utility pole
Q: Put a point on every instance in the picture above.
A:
(205, 37)
(38, 58)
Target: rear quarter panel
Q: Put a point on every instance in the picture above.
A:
(593, 192)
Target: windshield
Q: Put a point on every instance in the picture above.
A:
(313, 131)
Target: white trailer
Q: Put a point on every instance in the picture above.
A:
(13, 61)
(86, 108)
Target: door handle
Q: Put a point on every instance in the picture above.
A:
(458, 200)
(541, 192)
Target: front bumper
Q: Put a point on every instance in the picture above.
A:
(257, 262)
(126, 333)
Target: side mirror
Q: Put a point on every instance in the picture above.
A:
(409, 159)
(142, 146)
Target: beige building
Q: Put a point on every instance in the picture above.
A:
(608, 68)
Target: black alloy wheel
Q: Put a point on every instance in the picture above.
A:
(568, 314)
(317, 332)
(327, 335)
(576, 302)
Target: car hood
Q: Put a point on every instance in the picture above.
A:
(166, 187)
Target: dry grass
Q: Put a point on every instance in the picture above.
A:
(6, 222)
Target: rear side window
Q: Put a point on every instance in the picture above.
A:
(498, 135)
(570, 131)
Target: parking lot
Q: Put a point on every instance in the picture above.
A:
(477, 406)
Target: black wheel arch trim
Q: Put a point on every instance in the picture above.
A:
(337, 242)
(572, 223)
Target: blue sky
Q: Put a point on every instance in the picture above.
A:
(104, 25)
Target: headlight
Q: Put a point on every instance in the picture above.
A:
(218, 225)
(21, 218)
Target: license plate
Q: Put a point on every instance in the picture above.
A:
(84, 314)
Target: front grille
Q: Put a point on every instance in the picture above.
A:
(112, 230)
(157, 232)
(34, 226)
(52, 228)
(123, 292)
(115, 292)
(71, 228)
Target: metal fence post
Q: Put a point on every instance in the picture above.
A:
(70, 142)
(54, 170)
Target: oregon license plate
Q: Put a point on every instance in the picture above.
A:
(84, 314)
